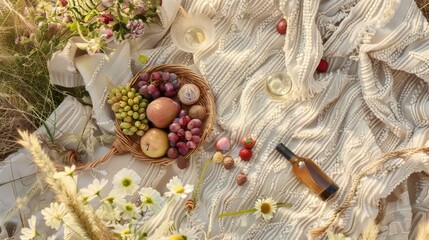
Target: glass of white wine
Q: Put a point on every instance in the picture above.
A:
(278, 85)
(192, 32)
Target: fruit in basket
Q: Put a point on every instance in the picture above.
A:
(154, 143)
(156, 84)
(198, 111)
(189, 94)
(129, 107)
(185, 134)
(162, 111)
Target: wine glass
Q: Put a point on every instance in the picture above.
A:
(192, 32)
(278, 85)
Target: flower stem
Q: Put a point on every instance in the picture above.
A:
(236, 213)
(197, 190)
(284, 205)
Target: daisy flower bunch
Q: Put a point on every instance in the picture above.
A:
(97, 22)
(264, 208)
(124, 210)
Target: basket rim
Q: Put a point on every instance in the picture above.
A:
(206, 95)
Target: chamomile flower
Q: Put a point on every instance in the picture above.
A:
(129, 210)
(68, 171)
(123, 230)
(108, 213)
(176, 188)
(54, 215)
(183, 234)
(30, 232)
(67, 176)
(151, 199)
(126, 181)
(94, 188)
(265, 208)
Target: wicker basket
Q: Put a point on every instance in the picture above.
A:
(131, 144)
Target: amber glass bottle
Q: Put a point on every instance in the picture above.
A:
(310, 174)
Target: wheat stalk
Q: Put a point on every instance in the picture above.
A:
(423, 231)
(370, 231)
(87, 224)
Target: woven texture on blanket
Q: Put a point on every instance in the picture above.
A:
(365, 121)
(373, 100)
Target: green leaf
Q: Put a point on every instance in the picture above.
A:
(90, 15)
(72, 26)
(143, 59)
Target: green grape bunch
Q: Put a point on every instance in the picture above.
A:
(130, 108)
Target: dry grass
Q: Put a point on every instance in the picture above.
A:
(424, 7)
(26, 96)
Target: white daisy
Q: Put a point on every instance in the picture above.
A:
(68, 177)
(176, 188)
(114, 198)
(123, 230)
(68, 171)
(94, 188)
(51, 237)
(163, 229)
(30, 232)
(129, 210)
(151, 199)
(54, 215)
(265, 208)
(183, 234)
(108, 213)
(126, 181)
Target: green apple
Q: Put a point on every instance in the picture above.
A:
(154, 143)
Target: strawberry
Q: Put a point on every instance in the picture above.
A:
(245, 154)
(248, 142)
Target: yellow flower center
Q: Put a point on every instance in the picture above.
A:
(148, 200)
(126, 182)
(129, 208)
(178, 189)
(265, 208)
(177, 237)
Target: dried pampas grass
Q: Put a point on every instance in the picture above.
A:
(370, 232)
(423, 231)
(83, 220)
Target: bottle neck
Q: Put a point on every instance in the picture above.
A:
(287, 153)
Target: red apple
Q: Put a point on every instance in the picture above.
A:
(154, 143)
(162, 111)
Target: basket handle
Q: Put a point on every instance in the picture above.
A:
(118, 147)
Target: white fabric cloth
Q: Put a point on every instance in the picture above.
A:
(373, 99)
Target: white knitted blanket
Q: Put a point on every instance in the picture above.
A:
(374, 99)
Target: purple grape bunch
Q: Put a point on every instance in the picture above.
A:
(185, 134)
(156, 84)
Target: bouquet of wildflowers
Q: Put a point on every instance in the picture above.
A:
(123, 213)
(97, 22)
